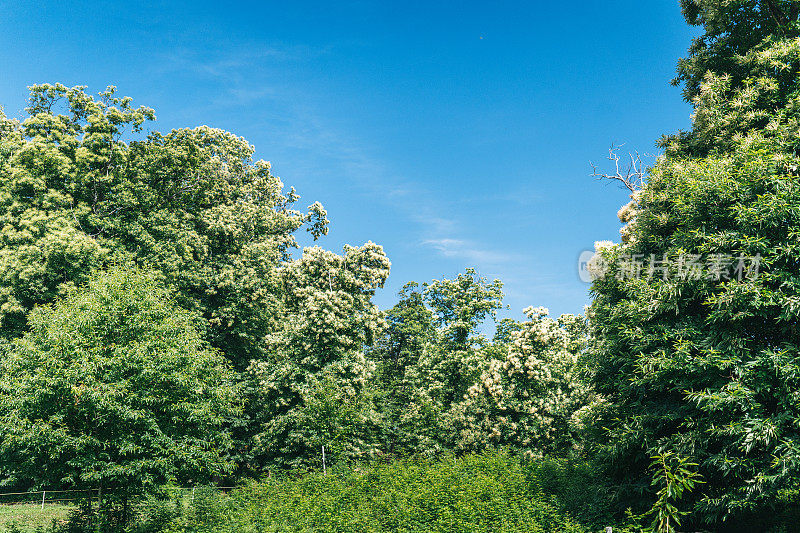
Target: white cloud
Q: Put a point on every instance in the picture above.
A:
(465, 249)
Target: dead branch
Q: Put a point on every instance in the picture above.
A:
(631, 176)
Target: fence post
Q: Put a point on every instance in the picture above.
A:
(43, 493)
(324, 470)
(193, 494)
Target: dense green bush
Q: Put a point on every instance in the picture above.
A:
(487, 492)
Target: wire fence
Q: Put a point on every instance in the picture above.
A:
(44, 498)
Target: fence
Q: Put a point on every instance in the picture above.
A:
(67, 497)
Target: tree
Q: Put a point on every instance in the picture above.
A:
(694, 322)
(328, 319)
(450, 361)
(80, 192)
(743, 49)
(731, 30)
(702, 364)
(410, 328)
(114, 388)
(409, 325)
(531, 392)
(460, 305)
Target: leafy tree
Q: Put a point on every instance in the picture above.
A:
(409, 329)
(705, 366)
(674, 476)
(738, 71)
(81, 189)
(460, 305)
(695, 348)
(450, 361)
(114, 388)
(530, 395)
(328, 320)
(505, 330)
(409, 326)
(731, 30)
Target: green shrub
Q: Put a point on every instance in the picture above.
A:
(576, 488)
(487, 492)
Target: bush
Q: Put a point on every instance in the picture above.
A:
(487, 492)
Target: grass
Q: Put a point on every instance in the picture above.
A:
(29, 516)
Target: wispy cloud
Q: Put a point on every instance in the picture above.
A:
(251, 76)
(234, 62)
(468, 250)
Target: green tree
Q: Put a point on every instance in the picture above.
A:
(114, 388)
(461, 305)
(530, 395)
(731, 30)
(81, 189)
(450, 362)
(410, 328)
(694, 323)
(674, 476)
(736, 73)
(328, 319)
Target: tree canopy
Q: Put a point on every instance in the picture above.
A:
(114, 387)
(157, 326)
(694, 323)
(84, 188)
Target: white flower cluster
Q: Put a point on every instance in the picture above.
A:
(529, 397)
(313, 382)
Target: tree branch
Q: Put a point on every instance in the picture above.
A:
(631, 177)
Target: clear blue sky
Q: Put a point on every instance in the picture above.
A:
(455, 134)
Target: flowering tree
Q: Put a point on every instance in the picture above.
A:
(316, 359)
(694, 357)
(450, 361)
(531, 392)
(77, 194)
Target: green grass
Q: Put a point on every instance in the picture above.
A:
(28, 516)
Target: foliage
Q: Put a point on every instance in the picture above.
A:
(578, 489)
(82, 189)
(450, 388)
(704, 366)
(673, 476)
(113, 387)
(450, 361)
(409, 329)
(490, 492)
(530, 395)
(731, 30)
(460, 305)
(311, 389)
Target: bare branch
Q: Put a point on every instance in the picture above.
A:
(630, 176)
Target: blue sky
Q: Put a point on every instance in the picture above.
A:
(455, 134)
